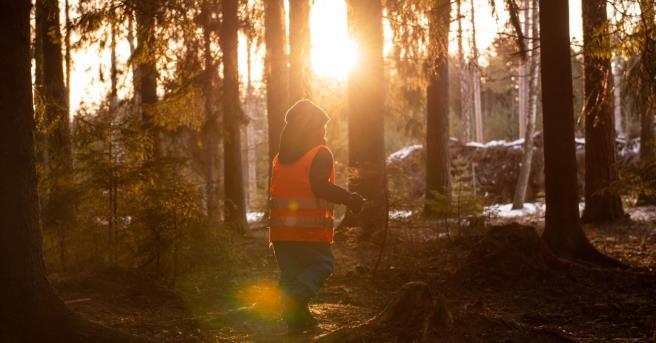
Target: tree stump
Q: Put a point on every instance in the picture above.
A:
(412, 315)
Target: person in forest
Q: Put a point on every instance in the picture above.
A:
(303, 193)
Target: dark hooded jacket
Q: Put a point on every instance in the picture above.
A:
(304, 123)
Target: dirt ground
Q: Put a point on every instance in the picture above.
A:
(496, 289)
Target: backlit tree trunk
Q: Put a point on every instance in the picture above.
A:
(524, 76)
(211, 125)
(146, 73)
(532, 105)
(275, 72)
(563, 233)
(366, 112)
(299, 59)
(601, 205)
(59, 209)
(437, 113)
(235, 205)
(29, 309)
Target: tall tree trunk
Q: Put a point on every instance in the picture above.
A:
(40, 134)
(437, 113)
(235, 207)
(563, 233)
(532, 97)
(524, 76)
(648, 88)
(601, 205)
(67, 56)
(249, 130)
(366, 113)
(113, 183)
(300, 71)
(464, 92)
(59, 209)
(146, 73)
(29, 309)
(210, 128)
(276, 72)
(476, 80)
(617, 94)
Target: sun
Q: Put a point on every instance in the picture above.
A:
(333, 52)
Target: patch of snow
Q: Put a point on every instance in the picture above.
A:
(253, 217)
(403, 153)
(643, 214)
(580, 141)
(400, 214)
(506, 211)
(515, 144)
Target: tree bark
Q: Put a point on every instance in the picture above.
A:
(437, 113)
(366, 113)
(211, 125)
(59, 211)
(276, 72)
(524, 76)
(617, 94)
(601, 205)
(563, 232)
(532, 93)
(29, 309)
(235, 206)
(648, 88)
(463, 86)
(146, 73)
(300, 71)
(476, 80)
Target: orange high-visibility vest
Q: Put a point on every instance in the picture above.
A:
(295, 213)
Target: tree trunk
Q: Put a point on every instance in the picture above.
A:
(465, 94)
(437, 113)
(648, 70)
(146, 73)
(235, 207)
(366, 113)
(476, 80)
(300, 71)
(211, 128)
(524, 75)
(29, 309)
(563, 232)
(276, 72)
(617, 94)
(59, 211)
(601, 205)
(67, 45)
(532, 94)
(249, 130)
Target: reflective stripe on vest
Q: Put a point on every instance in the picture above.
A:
(301, 222)
(300, 204)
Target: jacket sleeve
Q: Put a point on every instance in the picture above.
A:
(320, 171)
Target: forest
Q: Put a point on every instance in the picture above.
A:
(327, 170)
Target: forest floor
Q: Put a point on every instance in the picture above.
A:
(510, 297)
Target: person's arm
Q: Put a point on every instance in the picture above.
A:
(320, 171)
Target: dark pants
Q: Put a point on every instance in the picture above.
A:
(304, 266)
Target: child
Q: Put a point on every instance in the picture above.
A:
(303, 192)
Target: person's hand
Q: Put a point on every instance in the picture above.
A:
(356, 201)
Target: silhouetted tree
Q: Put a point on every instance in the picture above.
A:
(366, 111)
(437, 112)
(299, 54)
(648, 90)
(276, 75)
(59, 213)
(563, 233)
(29, 309)
(235, 205)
